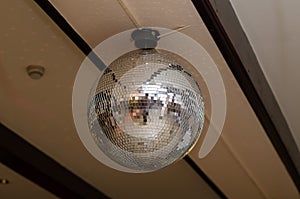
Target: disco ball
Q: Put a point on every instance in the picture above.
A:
(146, 110)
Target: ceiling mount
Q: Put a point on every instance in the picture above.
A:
(35, 71)
(145, 38)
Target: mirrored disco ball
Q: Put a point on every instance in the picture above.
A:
(146, 111)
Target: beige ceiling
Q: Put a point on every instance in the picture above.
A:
(243, 164)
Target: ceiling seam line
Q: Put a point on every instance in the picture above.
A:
(202, 174)
(129, 14)
(239, 162)
(243, 166)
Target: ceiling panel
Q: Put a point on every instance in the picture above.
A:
(243, 164)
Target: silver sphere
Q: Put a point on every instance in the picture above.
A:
(147, 111)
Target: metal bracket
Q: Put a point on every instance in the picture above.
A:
(145, 38)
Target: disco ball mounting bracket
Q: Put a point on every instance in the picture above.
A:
(145, 38)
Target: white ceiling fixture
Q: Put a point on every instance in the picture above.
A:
(35, 71)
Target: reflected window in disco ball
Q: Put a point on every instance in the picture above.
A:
(146, 110)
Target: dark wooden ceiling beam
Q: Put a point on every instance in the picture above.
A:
(22, 157)
(223, 24)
